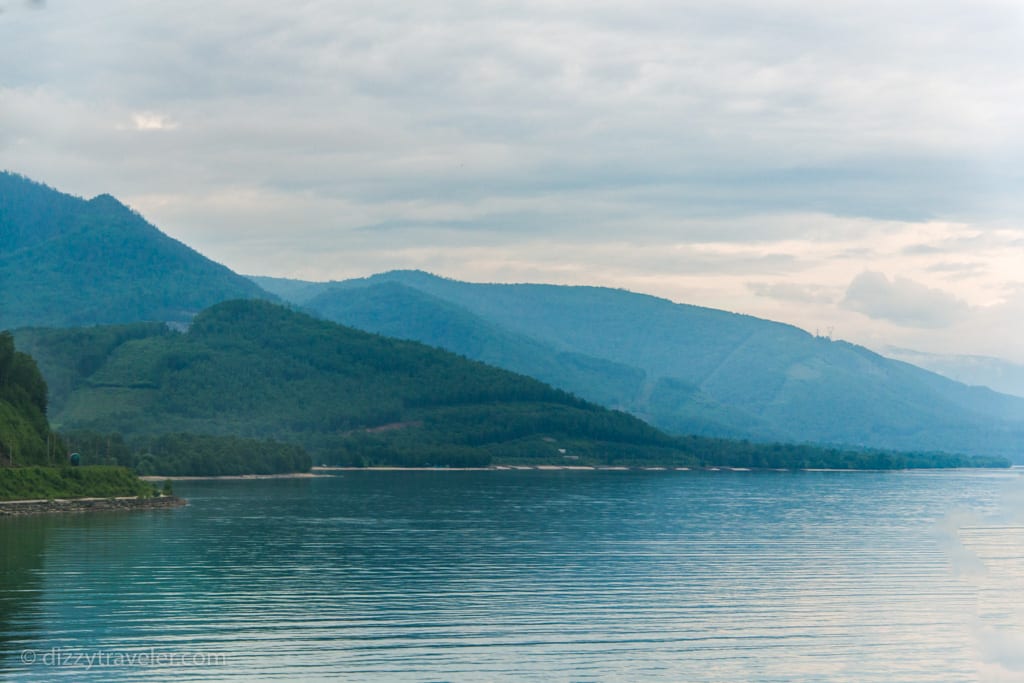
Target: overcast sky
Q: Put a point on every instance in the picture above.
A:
(843, 166)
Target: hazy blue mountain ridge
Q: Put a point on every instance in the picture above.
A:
(997, 374)
(700, 370)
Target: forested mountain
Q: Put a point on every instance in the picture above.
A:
(392, 309)
(25, 437)
(248, 371)
(67, 261)
(686, 369)
(258, 370)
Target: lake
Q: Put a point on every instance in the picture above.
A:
(530, 576)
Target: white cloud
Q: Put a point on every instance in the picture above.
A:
(902, 301)
(151, 121)
(794, 292)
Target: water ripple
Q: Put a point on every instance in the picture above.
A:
(511, 576)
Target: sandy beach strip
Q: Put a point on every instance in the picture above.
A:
(240, 477)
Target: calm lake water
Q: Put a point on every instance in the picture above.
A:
(544, 576)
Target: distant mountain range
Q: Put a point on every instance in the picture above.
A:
(685, 369)
(984, 371)
(67, 261)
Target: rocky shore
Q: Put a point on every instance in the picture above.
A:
(36, 507)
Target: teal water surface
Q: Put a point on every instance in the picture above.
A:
(528, 575)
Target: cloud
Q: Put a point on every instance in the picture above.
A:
(724, 154)
(958, 270)
(151, 121)
(864, 110)
(922, 249)
(797, 293)
(902, 301)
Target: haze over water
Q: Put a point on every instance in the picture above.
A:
(508, 576)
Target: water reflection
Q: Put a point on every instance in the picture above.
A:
(541, 576)
(22, 542)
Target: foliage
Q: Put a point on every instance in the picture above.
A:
(67, 356)
(30, 483)
(260, 371)
(26, 442)
(24, 432)
(190, 454)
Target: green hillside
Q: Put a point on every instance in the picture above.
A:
(686, 369)
(248, 372)
(25, 437)
(66, 261)
(32, 458)
(394, 310)
(258, 370)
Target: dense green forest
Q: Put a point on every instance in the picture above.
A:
(255, 387)
(189, 454)
(34, 482)
(258, 371)
(33, 460)
(25, 437)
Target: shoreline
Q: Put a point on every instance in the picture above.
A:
(319, 472)
(316, 471)
(18, 508)
(520, 468)
(228, 477)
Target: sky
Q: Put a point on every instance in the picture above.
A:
(852, 168)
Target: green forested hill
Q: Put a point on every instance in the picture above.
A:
(684, 369)
(24, 432)
(253, 370)
(67, 261)
(392, 309)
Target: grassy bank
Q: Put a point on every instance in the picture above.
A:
(31, 483)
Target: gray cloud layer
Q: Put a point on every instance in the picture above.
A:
(687, 148)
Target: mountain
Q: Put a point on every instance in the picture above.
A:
(994, 373)
(394, 310)
(66, 261)
(248, 371)
(259, 370)
(683, 368)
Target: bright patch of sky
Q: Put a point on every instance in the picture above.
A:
(847, 166)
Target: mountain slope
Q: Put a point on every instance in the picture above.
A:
(259, 370)
(67, 261)
(248, 371)
(398, 311)
(711, 372)
(24, 431)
